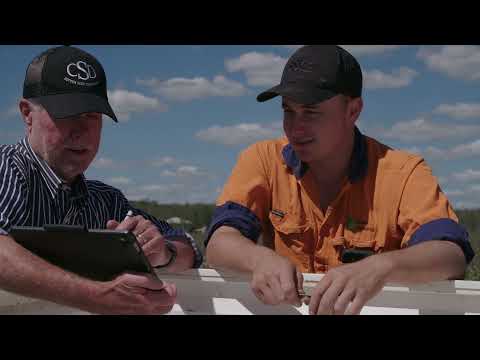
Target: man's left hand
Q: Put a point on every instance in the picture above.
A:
(148, 236)
(347, 288)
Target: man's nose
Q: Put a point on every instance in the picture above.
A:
(79, 127)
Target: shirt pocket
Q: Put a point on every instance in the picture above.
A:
(293, 232)
(362, 238)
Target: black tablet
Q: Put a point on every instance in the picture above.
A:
(95, 254)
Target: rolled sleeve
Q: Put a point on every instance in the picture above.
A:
(444, 229)
(236, 216)
(246, 196)
(422, 202)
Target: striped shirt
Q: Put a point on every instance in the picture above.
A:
(31, 194)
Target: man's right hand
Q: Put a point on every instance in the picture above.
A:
(135, 294)
(276, 280)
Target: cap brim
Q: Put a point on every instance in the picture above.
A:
(66, 105)
(300, 94)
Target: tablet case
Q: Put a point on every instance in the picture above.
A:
(95, 254)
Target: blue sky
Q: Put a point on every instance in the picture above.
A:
(187, 111)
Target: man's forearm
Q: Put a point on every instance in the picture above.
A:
(229, 249)
(430, 261)
(24, 273)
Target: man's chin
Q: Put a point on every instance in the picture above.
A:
(72, 172)
(304, 155)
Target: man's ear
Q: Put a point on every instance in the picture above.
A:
(26, 109)
(355, 109)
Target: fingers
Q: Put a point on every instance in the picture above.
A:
(112, 224)
(356, 306)
(289, 284)
(148, 236)
(265, 295)
(267, 290)
(343, 301)
(171, 289)
(329, 299)
(145, 281)
(129, 223)
(142, 226)
(166, 296)
(317, 294)
(277, 290)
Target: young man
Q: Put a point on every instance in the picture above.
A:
(325, 197)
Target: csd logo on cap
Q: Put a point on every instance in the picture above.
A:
(81, 70)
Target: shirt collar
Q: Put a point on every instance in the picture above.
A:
(78, 188)
(358, 163)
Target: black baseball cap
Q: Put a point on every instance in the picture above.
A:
(315, 73)
(67, 81)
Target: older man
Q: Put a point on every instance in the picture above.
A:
(42, 182)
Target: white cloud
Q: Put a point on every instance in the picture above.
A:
(442, 179)
(183, 89)
(291, 47)
(120, 180)
(454, 192)
(358, 50)
(124, 103)
(456, 61)
(459, 110)
(261, 69)
(462, 195)
(188, 170)
(184, 171)
(265, 69)
(422, 129)
(168, 195)
(466, 204)
(376, 79)
(11, 136)
(436, 153)
(174, 193)
(472, 148)
(168, 173)
(475, 188)
(467, 175)
(161, 187)
(165, 160)
(240, 134)
(413, 150)
(156, 188)
(11, 112)
(103, 163)
(459, 151)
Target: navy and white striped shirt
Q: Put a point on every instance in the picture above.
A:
(31, 194)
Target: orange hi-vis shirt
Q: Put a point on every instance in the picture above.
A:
(389, 201)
